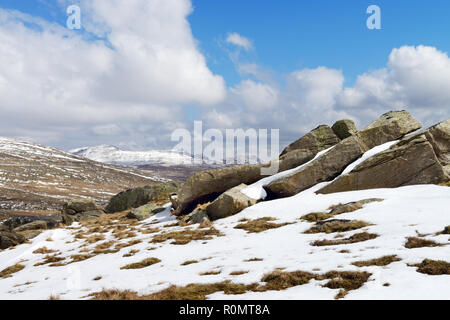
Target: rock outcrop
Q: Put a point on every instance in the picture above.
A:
(207, 185)
(324, 168)
(197, 216)
(319, 139)
(134, 198)
(9, 238)
(390, 126)
(418, 159)
(145, 212)
(80, 210)
(229, 203)
(344, 128)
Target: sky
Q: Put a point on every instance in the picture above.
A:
(137, 70)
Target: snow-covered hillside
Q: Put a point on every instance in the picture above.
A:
(74, 262)
(35, 178)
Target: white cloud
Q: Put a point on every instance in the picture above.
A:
(240, 41)
(55, 83)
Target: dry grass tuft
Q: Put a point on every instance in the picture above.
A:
(433, 267)
(7, 272)
(358, 237)
(130, 253)
(54, 298)
(446, 230)
(254, 260)
(186, 236)
(316, 216)
(43, 250)
(80, 257)
(53, 260)
(445, 184)
(383, 261)
(115, 295)
(142, 264)
(278, 280)
(210, 273)
(413, 242)
(238, 273)
(346, 281)
(188, 262)
(259, 225)
(97, 278)
(332, 226)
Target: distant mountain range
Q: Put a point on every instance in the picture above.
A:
(165, 158)
(113, 155)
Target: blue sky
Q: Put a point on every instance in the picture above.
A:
(297, 33)
(315, 61)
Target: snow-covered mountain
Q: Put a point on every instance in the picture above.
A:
(114, 155)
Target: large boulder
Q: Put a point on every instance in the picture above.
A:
(145, 212)
(9, 238)
(77, 206)
(439, 138)
(390, 126)
(35, 225)
(15, 222)
(319, 139)
(134, 198)
(80, 210)
(411, 161)
(324, 168)
(229, 203)
(344, 128)
(207, 185)
(197, 216)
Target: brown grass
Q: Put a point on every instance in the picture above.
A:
(383, 261)
(316, 216)
(186, 236)
(142, 264)
(332, 226)
(43, 250)
(130, 253)
(346, 280)
(7, 272)
(188, 262)
(54, 298)
(358, 237)
(115, 295)
(413, 242)
(446, 230)
(210, 273)
(80, 257)
(278, 280)
(433, 267)
(253, 260)
(445, 184)
(53, 260)
(97, 278)
(238, 273)
(259, 225)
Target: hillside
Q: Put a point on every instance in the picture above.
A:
(35, 179)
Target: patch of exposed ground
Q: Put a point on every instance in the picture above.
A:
(413, 242)
(259, 225)
(433, 267)
(335, 225)
(7, 272)
(358, 237)
(141, 264)
(186, 236)
(382, 261)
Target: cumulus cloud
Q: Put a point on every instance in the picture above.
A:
(145, 66)
(240, 41)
